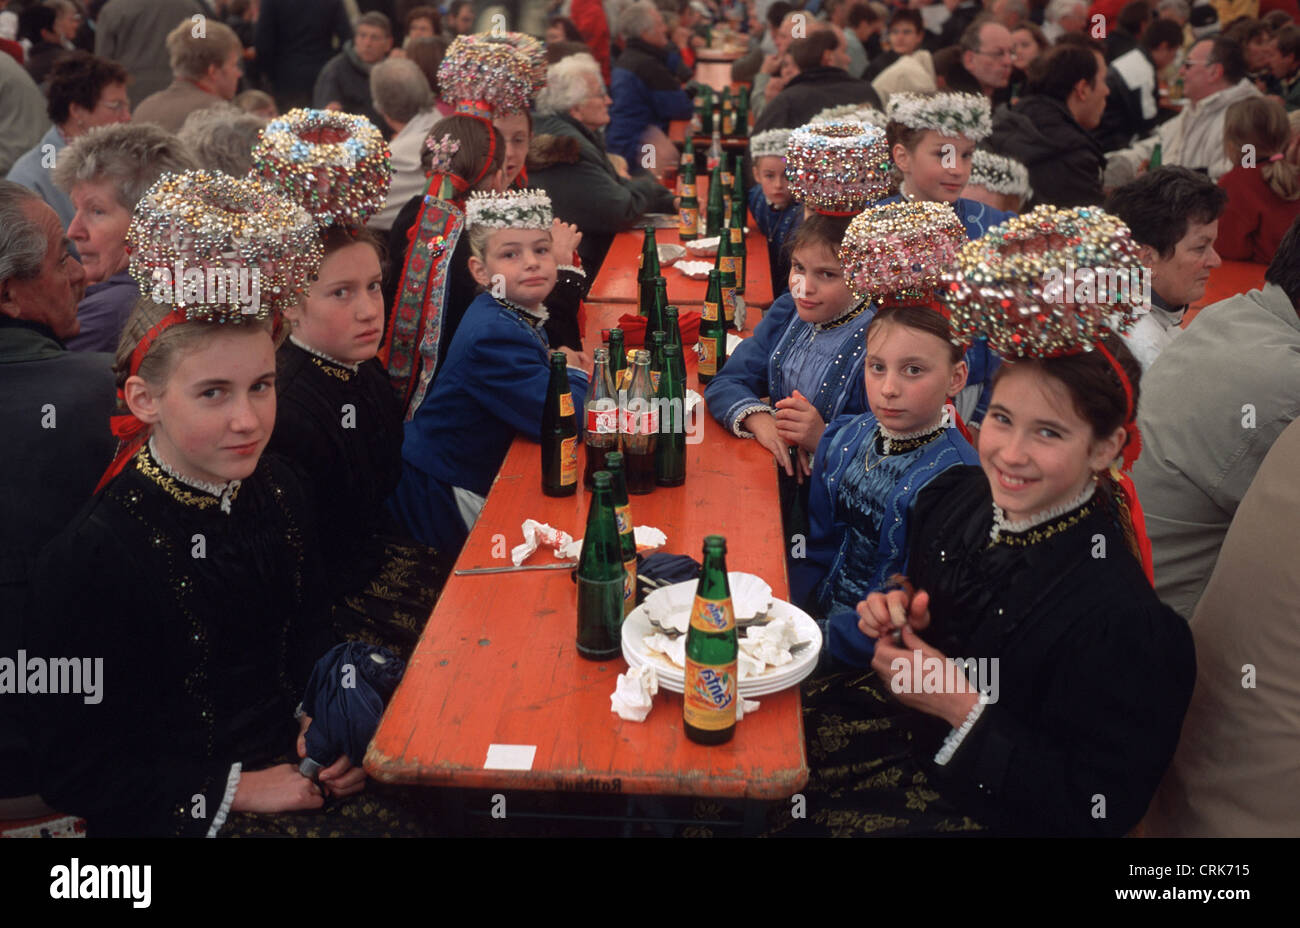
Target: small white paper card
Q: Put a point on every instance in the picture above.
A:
(510, 757)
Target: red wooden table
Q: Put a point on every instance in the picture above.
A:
(498, 665)
(616, 282)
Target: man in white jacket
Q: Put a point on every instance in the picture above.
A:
(1214, 78)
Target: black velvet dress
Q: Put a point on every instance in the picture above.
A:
(1094, 678)
(342, 430)
(208, 623)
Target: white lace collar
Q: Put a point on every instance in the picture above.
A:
(890, 436)
(541, 314)
(1002, 524)
(322, 355)
(222, 491)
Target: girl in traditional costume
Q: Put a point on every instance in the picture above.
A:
(871, 467)
(932, 139)
(494, 384)
(338, 421)
(1039, 685)
(193, 573)
(803, 365)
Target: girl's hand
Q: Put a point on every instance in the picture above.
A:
(798, 422)
(564, 241)
(764, 428)
(903, 668)
(339, 778)
(882, 613)
(276, 789)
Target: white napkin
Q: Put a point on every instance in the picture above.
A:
(745, 706)
(536, 534)
(770, 643)
(633, 693)
(673, 648)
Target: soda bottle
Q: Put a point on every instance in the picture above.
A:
(712, 688)
(736, 228)
(713, 330)
(728, 115)
(742, 114)
(600, 578)
(688, 154)
(626, 538)
(648, 270)
(617, 359)
(601, 432)
(704, 104)
(640, 428)
(713, 215)
(1156, 156)
(673, 343)
(725, 265)
(559, 433)
(688, 210)
(715, 150)
(670, 394)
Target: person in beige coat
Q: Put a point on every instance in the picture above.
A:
(1238, 762)
(205, 72)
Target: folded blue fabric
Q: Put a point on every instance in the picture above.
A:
(346, 695)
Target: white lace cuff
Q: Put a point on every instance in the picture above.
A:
(569, 267)
(232, 787)
(955, 737)
(744, 412)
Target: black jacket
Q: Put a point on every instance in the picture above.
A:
(809, 93)
(1065, 163)
(295, 38)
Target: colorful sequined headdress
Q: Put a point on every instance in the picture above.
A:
(488, 75)
(336, 165)
(837, 168)
(896, 253)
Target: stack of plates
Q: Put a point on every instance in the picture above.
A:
(636, 627)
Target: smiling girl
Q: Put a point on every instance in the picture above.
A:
(1075, 677)
(494, 382)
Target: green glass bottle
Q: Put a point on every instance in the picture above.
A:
(704, 103)
(742, 114)
(648, 270)
(670, 449)
(673, 329)
(688, 153)
(726, 268)
(623, 518)
(736, 234)
(688, 208)
(1156, 157)
(712, 687)
(559, 433)
(617, 359)
(601, 578)
(713, 331)
(713, 214)
(727, 181)
(658, 358)
(655, 316)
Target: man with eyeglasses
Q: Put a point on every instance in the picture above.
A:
(985, 61)
(1214, 78)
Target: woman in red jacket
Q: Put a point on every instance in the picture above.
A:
(1264, 189)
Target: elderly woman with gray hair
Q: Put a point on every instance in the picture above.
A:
(403, 97)
(567, 159)
(105, 173)
(221, 138)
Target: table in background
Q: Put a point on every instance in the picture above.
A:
(616, 282)
(1228, 279)
(498, 664)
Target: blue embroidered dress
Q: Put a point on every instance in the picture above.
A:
(777, 225)
(973, 402)
(822, 361)
(492, 386)
(863, 486)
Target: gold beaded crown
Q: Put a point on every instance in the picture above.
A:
(487, 74)
(336, 165)
(1051, 282)
(221, 248)
(838, 168)
(899, 250)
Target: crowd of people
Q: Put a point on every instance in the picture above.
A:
(212, 487)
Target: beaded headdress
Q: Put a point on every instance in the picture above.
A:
(967, 114)
(514, 209)
(487, 74)
(837, 168)
(769, 144)
(897, 252)
(194, 234)
(852, 112)
(336, 165)
(999, 174)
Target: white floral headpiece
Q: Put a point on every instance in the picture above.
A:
(852, 112)
(514, 209)
(965, 114)
(999, 174)
(769, 144)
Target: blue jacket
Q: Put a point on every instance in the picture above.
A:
(645, 92)
(777, 226)
(754, 371)
(492, 386)
(976, 218)
(844, 445)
